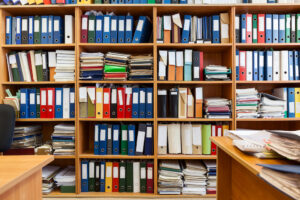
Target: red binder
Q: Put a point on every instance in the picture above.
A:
(43, 103)
(115, 179)
(248, 28)
(50, 102)
(213, 134)
(261, 28)
(201, 66)
(128, 104)
(60, 2)
(47, 2)
(84, 29)
(121, 103)
(30, 66)
(106, 102)
(242, 68)
(150, 178)
(219, 130)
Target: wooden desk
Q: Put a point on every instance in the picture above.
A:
(21, 177)
(237, 174)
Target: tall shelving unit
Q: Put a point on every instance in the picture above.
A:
(213, 54)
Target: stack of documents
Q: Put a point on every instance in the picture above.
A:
(91, 66)
(170, 177)
(194, 178)
(211, 167)
(65, 179)
(141, 67)
(116, 66)
(27, 137)
(217, 108)
(48, 174)
(247, 101)
(63, 139)
(65, 65)
(217, 72)
(271, 106)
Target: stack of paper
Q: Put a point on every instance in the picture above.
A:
(48, 174)
(91, 66)
(170, 177)
(217, 72)
(63, 139)
(194, 178)
(116, 66)
(65, 65)
(27, 137)
(271, 106)
(217, 108)
(211, 167)
(65, 179)
(141, 67)
(247, 101)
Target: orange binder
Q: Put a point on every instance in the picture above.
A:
(171, 67)
(108, 177)
(167, 28)
(199, 102)
(190, 110)
(115, 179)
(99, 103)
(179, 65)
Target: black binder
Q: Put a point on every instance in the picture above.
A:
(113, 103)
(237, 30)
(196, 66)
(109, 139)
(173, 103)
(162, 103)
(45, 66)
(97, 175)
(24, 29)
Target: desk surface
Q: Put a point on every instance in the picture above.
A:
(225, 143)
(14, 169)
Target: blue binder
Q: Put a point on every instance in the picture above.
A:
(142, 103)
(84, 176)
(71, 1)
(296, 65)
(143, 2)
(50, 29)
(131, 140)
(237, 64)
(96, 139)
(102, 176)
(44, 30)
(255, 66)
(116, 139)
(275, 29)
(19, 66)
(268, 65)
(18, 32)
(261, 65)
(291, 102)
(216, 29)
(114, 29)
(106, 29)
(135, 102)
(166, 1)
(291, 66)
(54, 1)
(243, 28)
(99, 29)
(32, 102)
(149, 140)
(30, 29)
(204, 28)
(183, 1)
(135, 1)
(143, 30)
(8, 36)
(271, 1)
(149, 102)
(185, 38)
(121, 29)
(58, 102)
(102, 140)
(128, 1)
(24, 103)
(57, 31)
(129, 29)
(114, 2)
(72, 102)
(281, 33)
(269, 28)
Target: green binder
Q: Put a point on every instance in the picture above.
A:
(287, 28)
(298, 28)
(143, 179)
(129, 176)
(122, 180)
(38, 103)
(254, 19)
(14, 67)
(37, 30)
(206, 143)
(151, 1)
(114, 68)
(98, 1)
(124, 140)
(91, 29)
(67, 189)
(92, 179)
(38, 65)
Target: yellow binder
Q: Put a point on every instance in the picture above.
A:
(108, 177)
(30, 2)
(84, 2)
(297, 102)
(225, 128)
(38, 2)
(99, 102)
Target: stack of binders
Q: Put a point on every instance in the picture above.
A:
(116, 139)
(65, 65)
(217, 73)
(211, 167)
(63, 139)
(272, 106)
(123, 176)
(247, 101)
(115, 67)
(47, 29)
(115, 102)
(91, 66)
(206, 29)
(141, 67)
(216, 108)
(48, 173)
(65, 179)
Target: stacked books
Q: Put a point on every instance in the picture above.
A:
(26, 137)
(115, 67)
(217, 73)
(91, 66)
(211, 167)
(170, 177)
(194, 174)
(271, 106)
(247, 101)
(63, 139)
(65, 65)
(65, 179)
(48, 173)
(216, 108)
(141, 67)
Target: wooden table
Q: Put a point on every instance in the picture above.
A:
(21, 177)
(237, 174)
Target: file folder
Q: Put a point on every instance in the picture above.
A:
(150, 178)
(83, 102)
(237, 65)
(121, 103)
(38, 103)
(149, 140)
(141, 139)
(216, 29)
(162, 99)
(135, 102)
(106, 29)
(249, 65)
(58, 102)
(149, 104)
(44, 30)
(121, 29)
(182, 103)
(69, 29)
(113, 103)
(18, 32)
(50, 102)
(44, 111)
(143, 30)
(242, 66)
(281, 33)
(282, 93)
(129, 29)
(91, 29)
(163, 62)
(254, 30)
(296, 65)
(297, 102)
(269, 28)
(198, 102)
(24, 32)
(298, 28)
(190, 104)
(99, 103)
(261, 28)
(50, 29)
(172, 103)
(129, 176)
(124, 140)
(243, 28)
(142, 103)
(206, 143)
(102, 176)
(196, 66)
(97, 176)
(197, 139)
(128, 106)
(287, 28)
(122, 180)
(237, 28)
(171, 66)
(255, 66)
(66, 103)
(92, 176)
(116, 136)
(291, 102)
(96, 139)
(249, 28)
(188, 64)
(99, 29)
(179, 66)
(84, 176)
(115, 179)
(162, 138)
(37, 32)
(186, 29)
(114, 29)
(131, 140)
(84, 29)
(91, 97)
(293, 28)
(103, 139)
(261, 66)
(8, 33)
(284, 65)
(143, 177)
(57, 30)
(106, 102)
(291, 66)
(269, 65)
(109, 140)
(275, 28)
(32, 102)
(276, 65)
(108, 177)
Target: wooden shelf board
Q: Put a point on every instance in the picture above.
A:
(92, 156)
(44, 120)
(115, 194)
(185, 157)
(37, 46)
(40, 83)
(194, 82)
(193, 45)
(117, 119)
(268, 119)
(267, 45)
(116, 82)
(192, 120)
(115, 44)
(64, 156)
(56, 193)
(267, 82)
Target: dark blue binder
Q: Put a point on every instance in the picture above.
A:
(135, 102)
(131, 140)
(106, 28)
(50, 30)
(103, 139)
(243, 28)
(72, 102)
(44, 30)
(102, 176)
(185, 38)
(32, 102)
(149, 140)
(96, 139)
(261, 65)
(19, 32)
(24, 103)
(143, 30)
(116, 139)
(58, 30)
(269, 65)
(237, 64)
(121, 29)
(216, 29)
(114, 29)
(58, 102)
(8, 36)
(128, 29)
(84, 176)
(149, 102)
(255, 66)
(142, 103)
(99, 29)
(291, 102)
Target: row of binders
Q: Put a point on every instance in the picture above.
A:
(187, 65)
(46, 29)
(109, 28)
(267, 65)
(36, 65)
(267, 28)
(189, 138)
(116, 139)
(193, 29)
(115, 102)
(123, 176)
